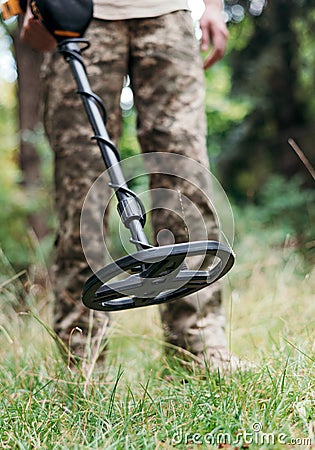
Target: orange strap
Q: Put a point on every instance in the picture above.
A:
(10, 8)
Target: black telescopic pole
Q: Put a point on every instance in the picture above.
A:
(128, 206)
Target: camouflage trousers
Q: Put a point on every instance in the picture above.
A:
(161, 56)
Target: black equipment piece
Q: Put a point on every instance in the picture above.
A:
(61, 18)
(152, 275)
(64, 18)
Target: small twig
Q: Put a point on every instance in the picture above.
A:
(302, 157)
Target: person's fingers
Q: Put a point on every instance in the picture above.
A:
(219, 42)
(205, 37)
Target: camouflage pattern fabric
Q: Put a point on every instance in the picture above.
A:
(161, 55)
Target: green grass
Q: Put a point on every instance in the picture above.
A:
(141, 399)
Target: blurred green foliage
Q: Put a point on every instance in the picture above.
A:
(271, 63)
(283, 215)
(223, 112)
(13, 212)
(17, 240)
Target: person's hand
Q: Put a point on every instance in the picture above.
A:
(35, 34)
(214, 33)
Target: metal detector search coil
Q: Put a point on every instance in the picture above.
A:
(160, 276)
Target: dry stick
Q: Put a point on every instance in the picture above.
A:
(302, 157)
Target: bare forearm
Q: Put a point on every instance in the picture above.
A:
(218, 4)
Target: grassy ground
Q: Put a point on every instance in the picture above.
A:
(140, 399)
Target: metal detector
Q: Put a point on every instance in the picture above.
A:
(150, 275)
